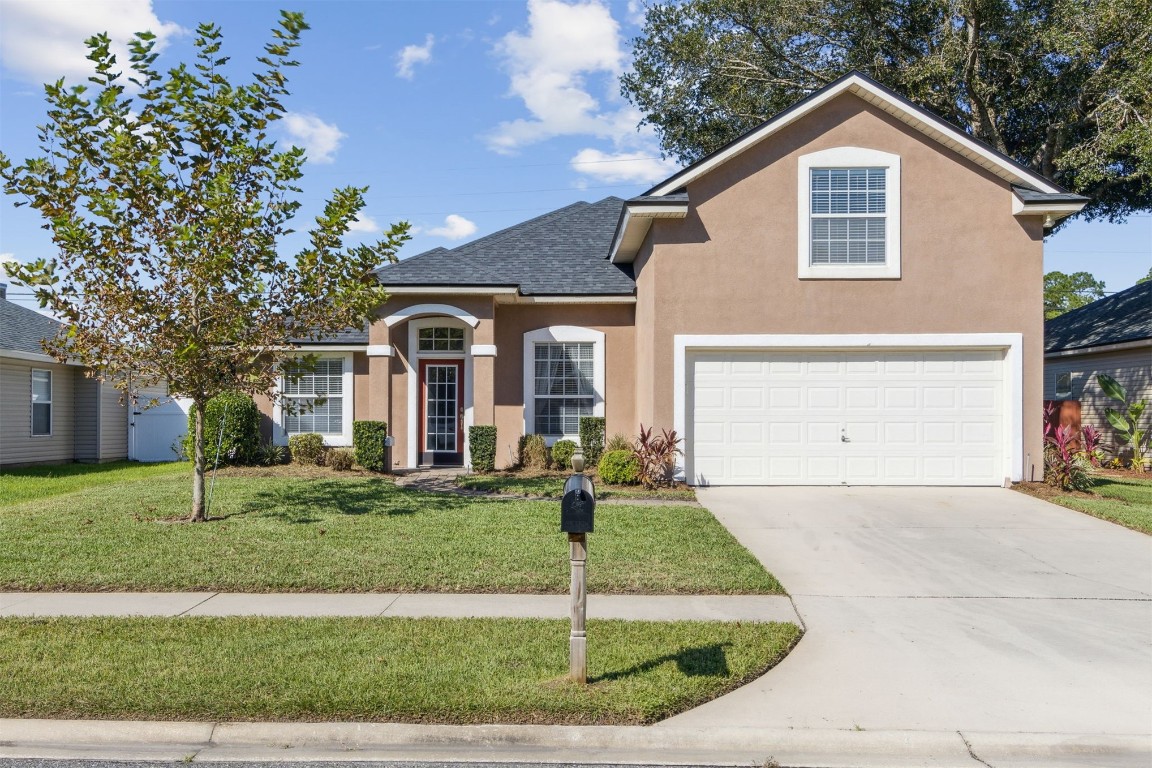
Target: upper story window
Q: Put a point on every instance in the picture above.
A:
(849, 223)
(41, 403)
(441, 340)
(314, 400)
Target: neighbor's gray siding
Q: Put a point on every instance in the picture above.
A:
(87, 421)
(113, 425)
(17, 446)
(1131, 367)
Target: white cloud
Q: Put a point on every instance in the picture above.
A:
(455, 228)
(411, 55)
(640, 167)
(636, 12)
(363, 223)
(549, 68)
(42, 41)
(318, 138)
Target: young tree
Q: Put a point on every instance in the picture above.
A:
(1063, 86)
(1063, 293)
(166, 201)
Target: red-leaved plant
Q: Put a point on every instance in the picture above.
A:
(656, 456)
(1090, 438)
(1065, 467)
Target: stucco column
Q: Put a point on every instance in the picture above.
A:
(484, 373)
(380, 355)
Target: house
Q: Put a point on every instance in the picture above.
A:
(851, 293)
(1112, 335)
(51, 413)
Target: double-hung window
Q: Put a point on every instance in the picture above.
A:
(41, 403)
(564, 388)
(314, 399)
(849, 223)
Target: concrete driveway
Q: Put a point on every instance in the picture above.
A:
(950, 609)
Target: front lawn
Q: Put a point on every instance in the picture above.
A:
(27, 483)
(551, 486)
(1123, 499)
(390, 670)
(282, 530)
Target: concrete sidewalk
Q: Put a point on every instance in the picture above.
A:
(636, 607)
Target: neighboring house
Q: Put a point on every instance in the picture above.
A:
(51, 413)
(1112, 335)
(851, 293)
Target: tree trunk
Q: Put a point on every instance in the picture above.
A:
(198, 461)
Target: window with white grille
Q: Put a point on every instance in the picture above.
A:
(848, 208)
(564, 388)
(314, 399)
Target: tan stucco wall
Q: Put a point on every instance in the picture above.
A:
(729, 267)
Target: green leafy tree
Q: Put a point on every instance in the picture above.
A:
(1063, 86)
(166, 200)
(1063, 293)
(1146, 277)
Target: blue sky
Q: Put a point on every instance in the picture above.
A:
(462, 117)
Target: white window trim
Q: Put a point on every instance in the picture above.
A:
(561, 333)
(32, 403)
(848, 157)
(1011, 343)
(412, 370)
(280, 431)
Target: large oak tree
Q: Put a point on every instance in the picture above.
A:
(1063, 86)
(167, 200)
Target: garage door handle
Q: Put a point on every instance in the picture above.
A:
(844, 437)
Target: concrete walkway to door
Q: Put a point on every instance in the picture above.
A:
(947, 609)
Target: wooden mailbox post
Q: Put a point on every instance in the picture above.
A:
(576, 519)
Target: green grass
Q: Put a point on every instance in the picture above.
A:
(1123, 500)
(30, 483)
(552, 487)
(276, 531)
(393, 670)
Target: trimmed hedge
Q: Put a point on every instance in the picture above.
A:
(368, 441)
(592, 439)
(482, 445)
(534, 452)
(241, 439)
(562, 451)
(619, 468)
(307, 448)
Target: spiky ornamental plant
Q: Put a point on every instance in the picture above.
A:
(166, 201)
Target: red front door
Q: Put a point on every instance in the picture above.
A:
(442, 412)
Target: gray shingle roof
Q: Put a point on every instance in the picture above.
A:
(1032, 196)
(1121, 317)
(347, 336)
(562, 252)
(22, 330)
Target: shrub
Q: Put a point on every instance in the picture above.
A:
(241, 435)
(1090, 438)
(307, 448)
(272, 454)
(619, 442)
(1065, 468)
(619, 468)
(482, 445)
(656, 456)
(533, 452)
(562, 451)
(591, 439)
(368, 440)
(340, 459)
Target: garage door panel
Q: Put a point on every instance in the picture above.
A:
(911, 417)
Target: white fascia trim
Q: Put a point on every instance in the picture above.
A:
(381, 350)
(348, 395)
(1060, 210)
(412, 371)
(483, 350)
(420, 310)
(1011, 343)
(926, 123)
(554, 333)
(471, 290)
(577, 300)
(323, 348)
(634, 226)
(36, 357)
(1102, 349)
(848, 157)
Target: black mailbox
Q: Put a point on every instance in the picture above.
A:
(578, 505)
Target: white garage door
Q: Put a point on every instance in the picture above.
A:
(901, 417)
